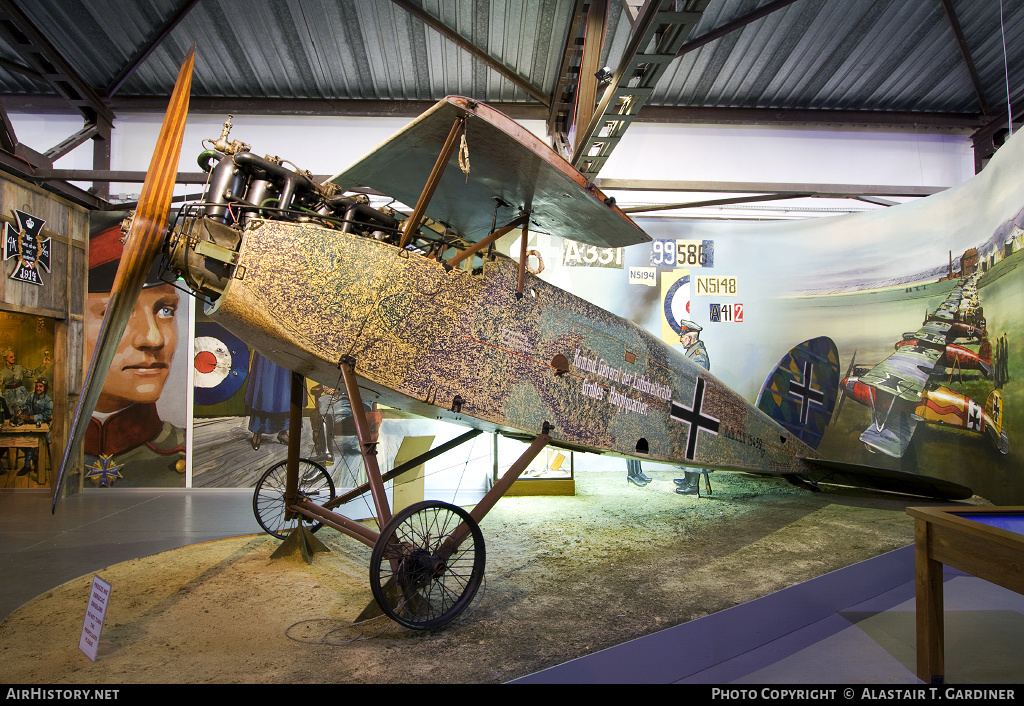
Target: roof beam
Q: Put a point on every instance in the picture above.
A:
(805, 116)
(753, 187)
(965, 51)
(146, 49)
(990, 138)
(21, 69)
(660, 29)
(17, 166)
(590, 64)
(734, 25)
(562, 100)
(8, 138)
(11, 148)
(716, 202)
(464, 44)
(126, 176)
(59, 150)
(38, 104)
(44, 58)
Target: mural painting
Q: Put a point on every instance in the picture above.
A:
(136, 437)
(921, 300)
(241, 410)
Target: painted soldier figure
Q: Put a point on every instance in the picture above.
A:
(126, 442)
(689, 337)
(13, 376)
(38, 410)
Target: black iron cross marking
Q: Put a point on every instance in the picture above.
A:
(974, 418)
(891, 382)
(805, 392)
(693, 416)
(29, 246)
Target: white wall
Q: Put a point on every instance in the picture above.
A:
(326, 145)
(777, 154)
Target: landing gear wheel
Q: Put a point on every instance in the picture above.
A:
(415, 576)
(268, 501)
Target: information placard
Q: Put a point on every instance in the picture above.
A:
(94, 613)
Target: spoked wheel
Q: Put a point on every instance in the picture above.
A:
(416, 577)
(268, 501)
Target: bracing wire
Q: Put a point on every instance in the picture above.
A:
(1006, 69)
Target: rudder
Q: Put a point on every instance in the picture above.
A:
(800, 394)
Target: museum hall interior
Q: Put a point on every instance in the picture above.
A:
(513, 341)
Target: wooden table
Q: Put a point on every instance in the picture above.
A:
(987, 542)
(28, 436)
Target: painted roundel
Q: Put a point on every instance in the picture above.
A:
(677, 303)
(221, 362)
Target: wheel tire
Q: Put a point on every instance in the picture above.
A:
(410, 577)
(268, 499)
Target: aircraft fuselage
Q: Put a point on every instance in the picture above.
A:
(461, 346)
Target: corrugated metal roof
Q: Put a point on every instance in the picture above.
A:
(324, 49)
(895, 55)
(877, 55)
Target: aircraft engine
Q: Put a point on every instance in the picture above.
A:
(244, 187)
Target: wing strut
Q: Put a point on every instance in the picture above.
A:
(477, 247)
(297, 392)
(501, 487)
(881, 423)
(400, 469)
(432, 181)
(523, 256)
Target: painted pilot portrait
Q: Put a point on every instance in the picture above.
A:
(127, 443)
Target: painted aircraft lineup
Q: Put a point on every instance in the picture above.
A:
(904, 389)
(413, 308)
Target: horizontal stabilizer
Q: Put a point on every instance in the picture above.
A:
(886, 479)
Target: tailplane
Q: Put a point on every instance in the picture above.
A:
(890, 480)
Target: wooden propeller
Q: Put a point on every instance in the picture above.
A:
(141, 249)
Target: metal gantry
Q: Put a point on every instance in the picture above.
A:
(659, 32)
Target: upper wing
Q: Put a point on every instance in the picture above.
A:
(505, 161)
(933, 332)
(904, 373)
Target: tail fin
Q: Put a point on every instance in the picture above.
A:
(800, 393)
(994, 422)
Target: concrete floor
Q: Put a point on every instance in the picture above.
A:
(855, 625)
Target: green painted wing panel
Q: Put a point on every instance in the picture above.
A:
(904, 373)
(505, 161)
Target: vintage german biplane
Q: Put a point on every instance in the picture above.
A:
(416, 311)
(902, 390)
